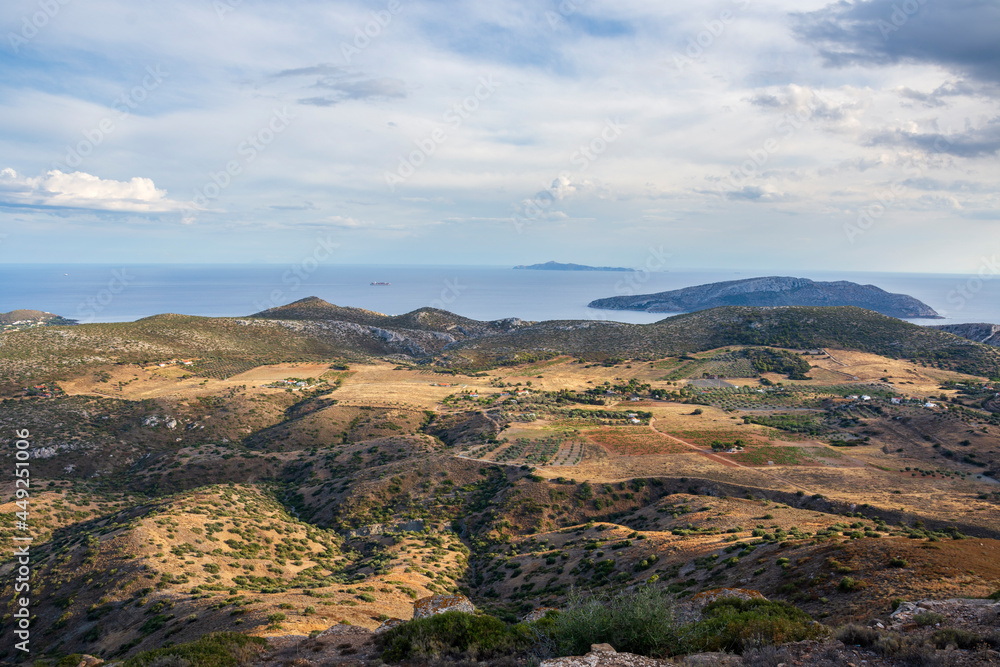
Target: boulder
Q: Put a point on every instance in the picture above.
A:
(438, 604)
(537, 614)
(389, 624)
(89, 661)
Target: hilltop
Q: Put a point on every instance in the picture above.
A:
(771, 292)
(29, 318)
(556, 266)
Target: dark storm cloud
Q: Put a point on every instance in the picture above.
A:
(971, 143)
(961, 35)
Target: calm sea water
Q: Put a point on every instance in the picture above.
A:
(104, 293)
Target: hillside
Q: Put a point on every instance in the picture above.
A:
(988, 334)
(794, 327)
(312, 329)
(771, 292)
(171, 500)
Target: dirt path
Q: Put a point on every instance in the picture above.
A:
(724, 461)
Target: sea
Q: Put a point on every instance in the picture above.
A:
(121, 293)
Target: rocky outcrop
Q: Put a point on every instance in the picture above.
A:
(980, 333)
(604, 655)
(439, 604)
(957, 612)
(772, 292)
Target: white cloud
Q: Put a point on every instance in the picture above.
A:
(81, 190)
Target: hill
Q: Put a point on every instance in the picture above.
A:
(311, 330)
(793, 327)
(988, 334)
(27, 318)
(771, 292)
(556, 266)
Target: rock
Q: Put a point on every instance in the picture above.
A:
(599, 657)
(711, 660)
(89, 661)
(389, 624)
(537, 614)
(707, 597)
(438, 604)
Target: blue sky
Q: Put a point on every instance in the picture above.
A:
(771, 135)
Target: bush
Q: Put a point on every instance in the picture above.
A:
(640, 621)
(897, 562)
(853, 634)
(927, 618)
(453, 633)
(732, 624)
(964, 639)
(222, 649)
(849, 584)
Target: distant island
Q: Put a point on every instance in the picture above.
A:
(556, 266)
(771, 292)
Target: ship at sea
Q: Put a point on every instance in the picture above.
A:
(381, 284)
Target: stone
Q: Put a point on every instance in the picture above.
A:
(602, 648)
(389, 624)
(438, 604)
(89, 661)
(537, 614)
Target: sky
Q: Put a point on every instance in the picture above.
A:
(776, 135)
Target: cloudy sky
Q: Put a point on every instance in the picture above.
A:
(763, 134)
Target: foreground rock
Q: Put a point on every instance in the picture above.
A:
(439, 604)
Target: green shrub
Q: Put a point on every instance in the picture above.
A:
(849, 584)
(640, 621)
(898, 562)
(732, 624)
(453, 633)
(222, 649)
(927, 618)
(853, 634)
(964, 639)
